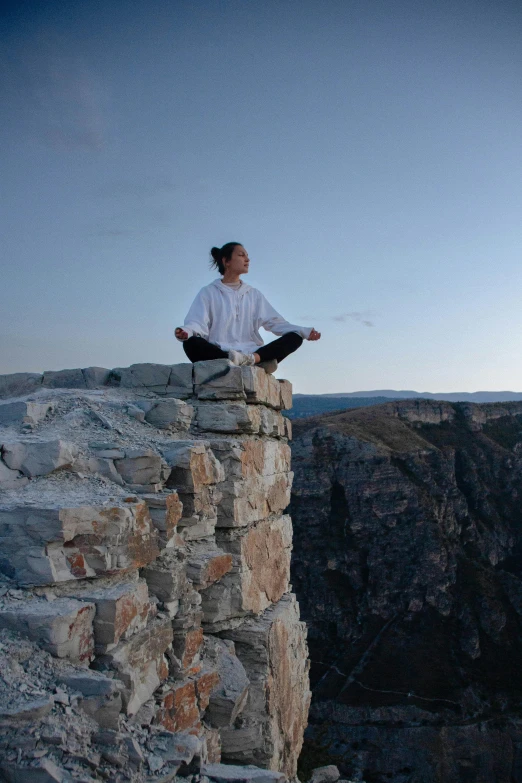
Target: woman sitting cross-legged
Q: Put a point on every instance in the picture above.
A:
(224, 319)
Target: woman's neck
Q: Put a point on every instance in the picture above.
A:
(230, 278)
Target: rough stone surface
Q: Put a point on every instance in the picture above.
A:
(193, 465)
(140, 466)
(272, 648)
(206, 563)
(170, 414)
(64, 379)
(413, 599)
(109, 556)
(328, 774)
(23, 412)
(63, 627)
(258, 479)
(260, 571)
(46, 545)
(228, 698)
(166, 576)
(37, 458)
(11, 479)
(230, 773)
(165, 511)
(140, 663)
(19, 383)
(121, 611)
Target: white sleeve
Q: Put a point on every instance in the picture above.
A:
(197, 321)
(275, 323)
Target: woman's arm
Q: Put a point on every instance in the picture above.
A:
(275, 323)
(197, 320)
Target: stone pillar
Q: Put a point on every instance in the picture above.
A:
(150, 506)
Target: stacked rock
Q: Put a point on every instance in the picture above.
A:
(143, 539)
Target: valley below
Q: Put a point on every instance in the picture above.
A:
(407, 566)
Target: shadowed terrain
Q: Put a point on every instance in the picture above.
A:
(407, 565)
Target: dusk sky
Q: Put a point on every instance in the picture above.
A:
(368, 154)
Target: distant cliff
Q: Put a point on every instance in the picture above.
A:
(408, 568)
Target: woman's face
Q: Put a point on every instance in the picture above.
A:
(238, 262)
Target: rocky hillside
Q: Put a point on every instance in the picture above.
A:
(408, 568)
(147, 628)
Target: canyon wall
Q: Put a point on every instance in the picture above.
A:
(407, 565)
(146, 620)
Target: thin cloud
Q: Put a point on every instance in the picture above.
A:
(116, 232)
(56, 94)
(148, 187)
(361, 318)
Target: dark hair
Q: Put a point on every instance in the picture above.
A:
(222, 254)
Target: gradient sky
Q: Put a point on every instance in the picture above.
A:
(368, 154)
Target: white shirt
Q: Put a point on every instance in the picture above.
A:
(232, 318)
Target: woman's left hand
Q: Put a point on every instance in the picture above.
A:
(314, 335)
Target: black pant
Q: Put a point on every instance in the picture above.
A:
(198, 349)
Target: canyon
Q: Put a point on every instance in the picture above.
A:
(407, 566)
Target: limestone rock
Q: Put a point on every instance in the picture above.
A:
(41, 545)
(121, 611)
(140, 466)
(186, 646)
(165, 511)
(11, 479)
(23, 412)
(212, 743)
(206, 563)
(261, 387)
(19, 383)
(178, 708)
(285, 390)
(140, 663)
(229, 773)
(217, 379)
(45, 771)
(260, 573)
(64, 379)
(272, 648)
(170, 414)
(180, 381)
(164, 379)
(328, 774)
(95, 376)
(166, 576)
(239, 418)
(101, 695)
(62, 627)
(252, 457)
(38, 458)
(229, 696)
(99, 466)
(257, 482)
(154, 377)
(246, 501)
(193, 465)
(230, 417)
(176, 748)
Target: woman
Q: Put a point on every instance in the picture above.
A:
(224, 319)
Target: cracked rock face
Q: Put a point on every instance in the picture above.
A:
(407, 541)
(141, 515)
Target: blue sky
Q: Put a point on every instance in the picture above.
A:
(366, 153)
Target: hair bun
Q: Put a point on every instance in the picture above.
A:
(216, 253)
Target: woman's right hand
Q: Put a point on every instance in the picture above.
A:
(181, 334)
